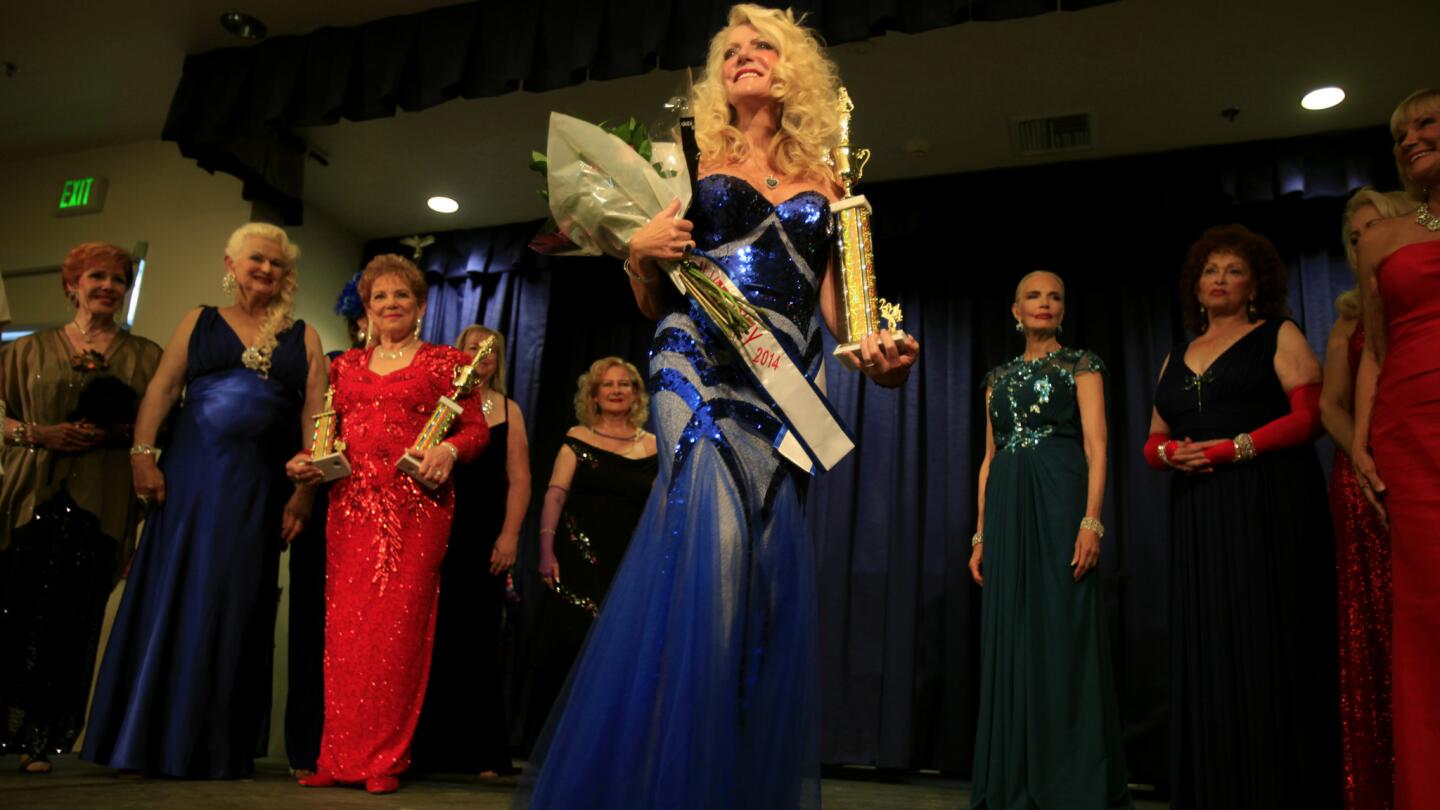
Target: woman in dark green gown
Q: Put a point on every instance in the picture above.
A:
(1049, 728)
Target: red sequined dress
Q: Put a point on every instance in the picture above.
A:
(385, 540)
(1362, 556)
(1405, 441)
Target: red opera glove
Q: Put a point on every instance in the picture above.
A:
(1299, 426)
(1158, 450)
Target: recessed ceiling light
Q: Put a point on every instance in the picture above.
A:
(444, 205)
(243, 25)
(1322, 98)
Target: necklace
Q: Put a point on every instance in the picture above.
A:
(398, 353)
(96, 330)
(635, 437)
(1426, 219)
(771, 182)
(486, 404)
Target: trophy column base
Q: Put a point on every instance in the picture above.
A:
(410, 465)
(331, 466)
(850, 348)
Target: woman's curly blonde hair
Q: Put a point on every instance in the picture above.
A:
(587, 386)
(804, 82)
(1426, 100)
(280, 312)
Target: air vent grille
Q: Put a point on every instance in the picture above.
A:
(1054, 133)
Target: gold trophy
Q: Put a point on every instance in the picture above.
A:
(326, 447)
(862, 312)
(445, 412)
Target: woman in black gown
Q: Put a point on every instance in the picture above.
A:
(1254, 705)
(463, 727)
(602, 478)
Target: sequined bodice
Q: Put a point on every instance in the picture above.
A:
(1031, 400)
(779, 268)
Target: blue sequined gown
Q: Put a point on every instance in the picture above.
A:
(697, 687)
(185, 686)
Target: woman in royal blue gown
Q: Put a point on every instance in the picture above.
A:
(697, 686)
(184, 689)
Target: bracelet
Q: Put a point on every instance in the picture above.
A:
(976, 539)
(1164, 454)
(544, 532)
(454, 452)
(1244, 447)
(625, 265)
(1093, 525)
(145, 450)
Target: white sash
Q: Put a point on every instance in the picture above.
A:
(812, 434)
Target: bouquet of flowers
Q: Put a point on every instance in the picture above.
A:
(603, 184)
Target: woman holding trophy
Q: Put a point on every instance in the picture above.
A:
(388, 522)
(700, 674)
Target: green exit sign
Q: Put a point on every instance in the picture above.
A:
(82, 195)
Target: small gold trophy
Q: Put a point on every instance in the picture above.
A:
(445, 412)
(862, 312)
(326, 447)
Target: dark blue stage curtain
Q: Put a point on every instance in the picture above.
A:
(233, 106)
(899, 631)
(487, 276)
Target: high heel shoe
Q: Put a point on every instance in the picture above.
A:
(317, 779)
(381, 784)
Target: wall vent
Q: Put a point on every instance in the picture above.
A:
(1054, 133)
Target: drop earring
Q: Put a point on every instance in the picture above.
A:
(1020, 327)
(1250, 310)
(229, 284)
(418, 321)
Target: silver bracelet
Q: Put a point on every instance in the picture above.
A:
(632, 273)
(454, 453)
(977, 539)
(1093, 525)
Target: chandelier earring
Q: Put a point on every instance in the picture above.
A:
(1020, 327)
(228, 283)
(1059, 328)
(1250, 310)
(73, 297)
(418, 321)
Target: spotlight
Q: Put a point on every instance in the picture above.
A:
(444, 205)
(1322, 98)
(243, 25)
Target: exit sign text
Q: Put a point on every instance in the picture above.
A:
(82, 195)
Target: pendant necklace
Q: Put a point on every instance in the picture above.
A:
(632, 438)
(96, 331)
(771, 182)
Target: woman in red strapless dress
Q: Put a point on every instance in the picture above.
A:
(1402, 256)
(1362, 546)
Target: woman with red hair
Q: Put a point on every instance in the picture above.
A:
(69, 399)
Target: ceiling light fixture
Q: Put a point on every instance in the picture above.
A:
(444, 205)
(1322, 98)
(243, 25)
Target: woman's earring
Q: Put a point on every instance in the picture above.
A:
(73, 297)
(418, 321)
(1251, 310)
(1059, 328)
(229, 284)
(1019, 327)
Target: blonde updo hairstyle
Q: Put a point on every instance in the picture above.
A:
(1427, 100)
(390, 264)
(280, 312)
(588, 387)
(804, 82)
(1388, 204)
(497, 382)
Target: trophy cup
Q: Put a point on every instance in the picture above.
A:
(326, 447)
(862, 312)
(445, 412)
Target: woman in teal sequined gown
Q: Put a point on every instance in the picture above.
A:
(1049, 730)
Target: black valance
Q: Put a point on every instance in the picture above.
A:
(233, 106)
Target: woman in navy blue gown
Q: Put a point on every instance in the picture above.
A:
(184, 689)
(698, 687)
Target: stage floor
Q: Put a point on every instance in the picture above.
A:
(76, 785)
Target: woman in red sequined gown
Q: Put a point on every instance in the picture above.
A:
(386, 534)
(1362, 547)
(1402, 256)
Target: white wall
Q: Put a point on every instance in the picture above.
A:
(184, 213)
